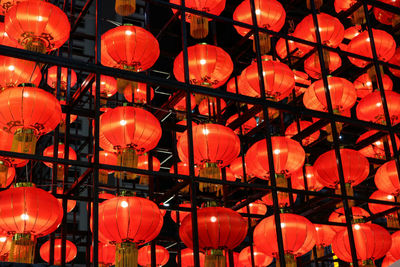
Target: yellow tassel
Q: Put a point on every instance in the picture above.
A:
(317, 3)
(393, 221)
(35, 45)
(198, 27)
(24, 141)
(320, 253)
(3, 174)
(289, 260)
(60, 173)
(103, 177)
(210, 170)
(125, 7)
(127, 157)
(368, 263)
(215, 258)
(358, 16)
(22, 248)
(265, 43)
(349, 192)
(126, 255)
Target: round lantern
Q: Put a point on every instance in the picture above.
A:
(4, 38)
(29, 218)
(143, 163)
(338, 216)
(130, 130)
(108, 158)
(364, 86)
(209, 66)
(257, 207)
(370, 107)
(246, 126)
(7, 175)
(106, 255)
(371, 240)
(187, 258)
(182, 214)
(237, 168)
(292, 130)
(324, 238)
(49, 152)
(312, 64)
(219, 229)
(108, 87)
(352, 32)
(183, 169)
(395, 60)
(52, 78)
(139, 93)
(384, 16)
(70, 203)
(303, 81)
(260, 258)
(5, 246)
(298, 236)
(144, 256)
(376, 149)
(392, 219)
(281, 48)
(209, 107)
(312, 177)
(395, 249)
(183, 123)
(70, 251)
(387, 179)
(38, 26)
(14, 72)
(270, 15)
(129, 221)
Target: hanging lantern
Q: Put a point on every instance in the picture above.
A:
(182, 214)
(52, 79)
(364, 85)
(39, 113)
(14, 72)
(260, 258)
(106, 255)
(371, 240)
(5, 246)
(298, 234)
(7, 176)
(237, 168)
(7, 164)
(38, 26)
(384, 16)
(183, 169)
(292, 130)
(144, 256)
(338, 216)
(139, 93)
(108, 88)
(257, 207)
(181, 107)
(388, 260)
(70, 203)
(376, 149)
(129, 221)
(102, 196)
(143, 163)
(108, 158)
(270, 15)
(283, 199)
(4, 38)
(183, 123)
(395, 60)
(395, 248)
(302, 80)
(209, 106)
(385, 178)
(311, 176)
(281, 49)
(370, 108)
(392, 218)
(355, 170)
(187, 258)
(246, 127)
(49, 152)
(357, 17)
(360, 45)
(70, 251)
(125, 7)
(130, 130)
(129, 48)
(215, 146)
(220, 228)
(312, 64)
(30, 218)
(324, 238)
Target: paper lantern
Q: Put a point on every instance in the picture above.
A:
(139, 93)
(52, 78)
(388, 260)
(237, 168)
(246, 127)
(257, 208)
(5, 246)
(106, 255)
(49, 152)
(143, 163)
(283, 199)
(384, 16)
(312, 64)
(324, 238)
(385, 178)
(181, 106)
(14, 72)
(395, 248)
(311, 176)
(260, 258)
(184, 123)
(392, 218)
(209, 107)
(108, 87)
(187, 258)
(108, 158)
(182, 214)
(70, 251)
(292, 130)
(395, 60)
(70, 203)
(364, 86)
(338, 216)
(144, 256)
(376, 149)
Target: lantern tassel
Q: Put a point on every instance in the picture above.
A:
(211, 171)
(289, 260)
(22, 248)
(3, 174)
(317, 3)
(265, 43)
(126, 255)
(368, 263)
(24, 141)
(393, 221)
(198, 27)
(103, 177)
(60, 173)
(125, 7)
(320, 252)
(215, 258)
(127, 157)
(35, 45)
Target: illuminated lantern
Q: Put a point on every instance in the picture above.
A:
(376, 149)
(246, 126)
(360, 45)
(181, 107)
(70, 250)
(278, 79)
(209, 106)
(38, 26)
(38, 113)
(355, 169)
(144, 256)
(385, 178)
(303, 79)
(324, 238)
(9, 178)
(129, 221)
(125, 7)
(14, 72)
(352, 32)
(370, 107)
(108, 88)
(4, 38)
(130, 48)
(229, 175)
(183, 169)
(338, 216)
(298, 234)
(283, 199)
(183, 123)
(257, 207)
(392, 218)
(292, 130)
(63, 122)
(52, 78)
(198, 23)
(139, 93)
(281, 49)
(364, 85)
(395, 60)
(106, 255)
(220, 228)
(312, 177)
(49, 152)
(358, 16)
(102, 196)
(260, 258)
(312, 64)
(108, 158)
(371, 240)
(235, 259)
(388, 260)
(30, 219)
(182, 214)
(187, 258)
(130, 130)
(386, 17)
(237, 168)
(231, 85)
(143, 163)
(70, 203)
(270, 15)
(395, 249)
(7, 170)
(5, 246)
(215, 146)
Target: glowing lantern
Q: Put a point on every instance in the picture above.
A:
(183, 169)
(270, 15)
(215, 239)
(324, 238)
(352, 32)
(283, 199)
(183, 123)
(395, 249)
(385, 178)
(144, 256)
(292, 130)
(246, 126)
(139, 93)
(281, 49)
(386, 17)
(376, 149)
(237, 168)
(108, 88)
(70, 250)
(181, 107)
(388, 260)
(364, 86)
(257, 208)
(312, 64)
(392, 218)
(338, 216)
(14, 72)
(125, 7)
(187, 258)
(38, 113)
(5, 246)
(311, 176)
(106, 255)
(108, 158)
(52, 78)
(70, 203)
(358, 16)
(143, 163)
(209, 106)
(182, 214)
(49, 152)
(260, 258)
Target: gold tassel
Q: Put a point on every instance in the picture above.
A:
(24, 141)
(3, 174)
(339, 127)
(368, 263)
(60, 173)
(215, 258)
(289, 260)
(103, 176)
(210, 170)
(123, 84)
(35, 45)
(198, 27)
(125, 7)
(265, 43)
(127, 157)
(349, 192)
(358, 16)
(320, 253)
(317, 3)
(281, 181)
(22, 248)
(393, 221)
(126, 255)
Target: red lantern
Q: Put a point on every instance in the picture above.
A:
(108, 158)
(283, 199)
(143, 163)
(298, 234)
(229, 175)
(139, 93)
(52, 78)
(312, 64)
(386, 17)
(352, 32)
(246, 126)
(183, 169)
(370, 107)
(181, 106)
(38, 112)
(395, 249)
(219, 229)
(376, 149)
(209, 66)
(281, 49)
(311, 176)
(270, 15)
(49, 152)
(14, 72)
(324, 238)
(338, 216)
(260, 258)
(130, 130)
(129, 221)
(7, 171)
(395, 60)
(182, 214)
(364, 86)
(70, 250)
(371, 240)
(37, 25)
(4, 38)
(183, 122)
(360, 45)
(5, 246)
(392, 219)
(187, 258)
(210, 106)
(9, 178)
(106, 255)
(108, 86)
(387, 179)
(23, 205)
(70, 203)
(144, 256)
(237, 168)
(257, 207)
(388, 260)
(292, 130)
